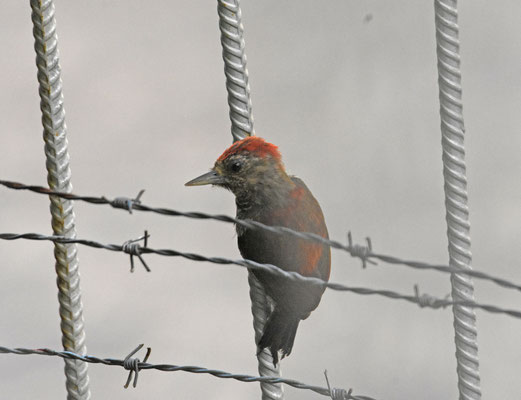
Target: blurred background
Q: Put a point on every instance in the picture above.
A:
(348, 91)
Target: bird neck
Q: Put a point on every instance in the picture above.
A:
(264, 195)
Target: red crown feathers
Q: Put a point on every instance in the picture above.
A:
(254, 145)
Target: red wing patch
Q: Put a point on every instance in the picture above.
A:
(296, 194)
(312, 253)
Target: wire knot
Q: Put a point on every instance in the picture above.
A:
(362, 252)
(133, 248)
(132, 365)
(337, 394)
(340, 394)
(127, 203)
(426, 300)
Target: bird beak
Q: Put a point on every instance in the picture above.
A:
(210, 178)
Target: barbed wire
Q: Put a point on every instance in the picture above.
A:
(365, 253)
(134, 365)
(423, 300)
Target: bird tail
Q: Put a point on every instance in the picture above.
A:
(279, 334)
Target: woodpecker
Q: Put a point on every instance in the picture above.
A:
(253, 171)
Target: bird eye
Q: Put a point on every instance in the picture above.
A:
(236, 166)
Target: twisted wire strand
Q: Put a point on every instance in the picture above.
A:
(279, 230)
(59, 175)
(456, 198)
(234, 56)
(174, 368)
(423, 301)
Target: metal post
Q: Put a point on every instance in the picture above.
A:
(234, 57)
(456, 199)
(260, 309)
(242, 126)
(58, 177)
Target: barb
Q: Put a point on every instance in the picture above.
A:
(133, 248)
(337, 394)
(126, 203)
(68, 355)
(426, 300)
(293, 276)
(362, 252)
(353, 250)
(132, 364)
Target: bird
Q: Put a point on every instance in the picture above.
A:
(252, 169)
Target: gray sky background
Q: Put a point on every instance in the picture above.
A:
(353, 107)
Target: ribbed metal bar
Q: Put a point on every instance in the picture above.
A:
(234, 57)
(456, 198)
(239, 101)
(59, 175)
(260, 308)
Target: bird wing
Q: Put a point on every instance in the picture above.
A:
(302, 213)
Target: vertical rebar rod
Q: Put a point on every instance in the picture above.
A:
(239, 101)
(260, 308)
(234, 56)
(456, 198)
(59, 179)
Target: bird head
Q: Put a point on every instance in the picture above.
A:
(248, 167)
